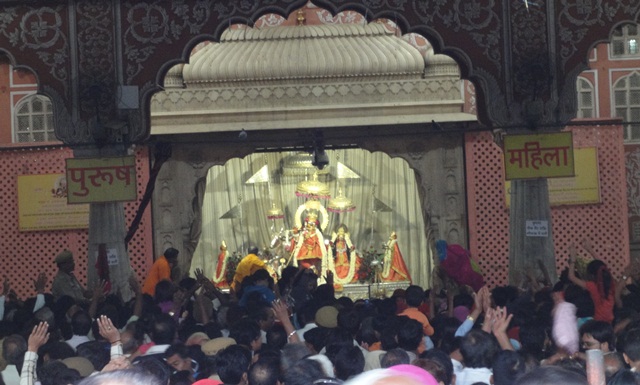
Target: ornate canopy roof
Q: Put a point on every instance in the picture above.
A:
(305, 76)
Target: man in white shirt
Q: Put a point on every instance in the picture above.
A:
(478, 349)
(13, 349)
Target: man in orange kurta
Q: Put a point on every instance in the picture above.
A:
(160, 270)
(414, 297)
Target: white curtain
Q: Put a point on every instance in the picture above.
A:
(391, 180)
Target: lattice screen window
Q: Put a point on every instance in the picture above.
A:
(626, 41)
(627, 105)
(586, 107)
(34, 120)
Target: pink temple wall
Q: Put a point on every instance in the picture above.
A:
(605, 223)
(25, 254)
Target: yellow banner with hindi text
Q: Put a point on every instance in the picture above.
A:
(538, 156)
(91, 180)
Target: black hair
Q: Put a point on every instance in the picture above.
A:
(414, 296)
(264, 372)
(631, 344)
(97, 352)
(625, 377)
(182, 377)
(81, 323)
(259, 275)
(478, 349)
(180, 349)
(349, 361)
(463, 299)
(551, 375)
(13, 349)
(410, 334)
(503, 295)
(292, 353)
(507, 366)
(154, 366)
(444, 332)
(443, 359)
(245, 332)
(164, 291)
(581, 299)
(307, 312)
(303, 372)
(532, 339)
(163, 330)
(56, 350)
(56, 372)
(349, 319)
(394, 357)
(600, 331)
(232, 362)
(276, 337)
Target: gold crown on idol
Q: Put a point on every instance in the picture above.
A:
(312, 216)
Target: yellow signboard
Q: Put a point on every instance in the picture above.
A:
(583, 188)
(42, 204)
(538, 156)
(101, 179)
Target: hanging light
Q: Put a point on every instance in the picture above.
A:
(341, 204)
(313, 188)
(275, 212)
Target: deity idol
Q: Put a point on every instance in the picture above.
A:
(394, 268)
(308, 248)
(219, 278)
(346, 261)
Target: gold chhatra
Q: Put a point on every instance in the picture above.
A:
(275, 212)
(313, 188)
(341, 204)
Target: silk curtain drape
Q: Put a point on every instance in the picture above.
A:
(391, 179)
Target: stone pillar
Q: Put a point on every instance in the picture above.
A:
(530, 201)
(107, 226)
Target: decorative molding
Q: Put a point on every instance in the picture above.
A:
(434, 90)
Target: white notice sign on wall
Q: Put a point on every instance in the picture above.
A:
(537, 228)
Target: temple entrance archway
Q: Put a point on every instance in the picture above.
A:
(357, 86)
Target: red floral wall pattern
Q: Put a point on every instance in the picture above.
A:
(600, 223)
(25, 254)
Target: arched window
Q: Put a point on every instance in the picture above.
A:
(626, 41)
(627, 105)
(586, 106)
(34, 120)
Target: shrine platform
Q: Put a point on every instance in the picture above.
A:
(357, 291)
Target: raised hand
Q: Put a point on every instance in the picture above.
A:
(489, 317)
(108, 330)
(6, 286)
(329, 277)
(38, 337)
(134, 285)
(501, 321)
(206, 283)
(280, 309)
(573, 253)
(40, 282)
(99, 290)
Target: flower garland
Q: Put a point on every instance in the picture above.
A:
(371, 265)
